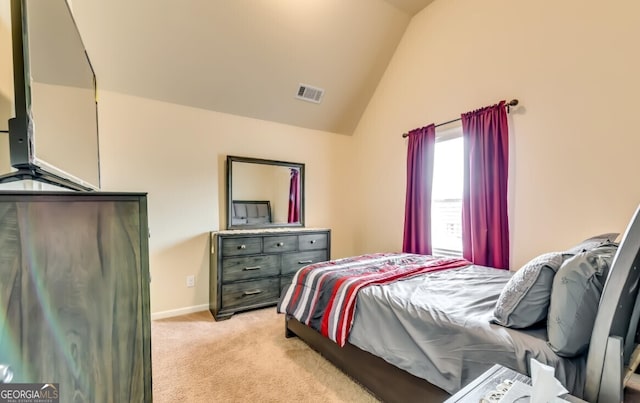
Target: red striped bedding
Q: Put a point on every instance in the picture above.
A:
(323, 295)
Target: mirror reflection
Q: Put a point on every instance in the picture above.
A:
(55, 110)
(65, 135)
(264, 193)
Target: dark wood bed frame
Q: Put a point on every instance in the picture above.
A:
(385, 381)
(613, 341)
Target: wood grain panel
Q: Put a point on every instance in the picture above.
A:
(249, 293)
(241, 246)
(83, 323)
(313, 241)
(280, 243)
(285, 281)
(291, 262)
(10, 283)
(250, 267)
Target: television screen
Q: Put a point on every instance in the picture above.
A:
(55, 130)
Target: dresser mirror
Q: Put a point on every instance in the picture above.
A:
(264, 193)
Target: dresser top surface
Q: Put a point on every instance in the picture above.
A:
(259, 231)
(66, 196)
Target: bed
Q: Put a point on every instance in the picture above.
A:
(251, 212)
(425, 337)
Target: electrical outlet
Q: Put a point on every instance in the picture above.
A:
(191, 281)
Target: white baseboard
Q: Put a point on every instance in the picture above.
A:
(177, 312)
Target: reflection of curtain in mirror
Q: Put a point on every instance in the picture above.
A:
(294, 197)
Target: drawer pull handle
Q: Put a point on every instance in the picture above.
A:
(242, 247)
(312, 241)
(305, 261)
(252, 292)
(251, 268)
(279, 244)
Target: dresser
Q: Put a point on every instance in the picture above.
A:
(250, 268)
(74, 294)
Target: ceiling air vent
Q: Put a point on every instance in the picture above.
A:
(308, 93)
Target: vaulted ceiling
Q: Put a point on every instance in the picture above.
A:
(247, 57)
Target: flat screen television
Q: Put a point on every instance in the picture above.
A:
(53, 137)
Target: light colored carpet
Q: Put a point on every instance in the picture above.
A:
(243, 359)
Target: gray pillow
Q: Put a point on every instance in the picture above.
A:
(524, 301)
(575, 297)
(593, 242)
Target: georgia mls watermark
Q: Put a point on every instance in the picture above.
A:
(29, 393)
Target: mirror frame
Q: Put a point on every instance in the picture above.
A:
(229, 181)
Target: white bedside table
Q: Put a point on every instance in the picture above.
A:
(487, 382)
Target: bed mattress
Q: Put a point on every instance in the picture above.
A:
(437, 327)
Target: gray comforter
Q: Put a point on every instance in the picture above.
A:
(437, 327)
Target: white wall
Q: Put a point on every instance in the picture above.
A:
(6, 52)
(573, 65)
(65, 140)
(263, 182)
(177, 155)
(6, 84)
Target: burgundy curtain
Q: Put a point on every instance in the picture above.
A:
(485, 226)
(294, 197)
(417, 212)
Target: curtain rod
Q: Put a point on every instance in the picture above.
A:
(513, 102)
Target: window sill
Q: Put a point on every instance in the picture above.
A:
(446, 252)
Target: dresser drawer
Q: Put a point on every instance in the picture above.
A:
(280, 243)
(291, 262)
(241, 246)
(250, 267)
(249, 293)
(312, 241)
(285, 282)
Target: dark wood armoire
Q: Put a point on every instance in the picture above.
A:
(74, 293)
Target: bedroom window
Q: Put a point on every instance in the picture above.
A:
(446, 202)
